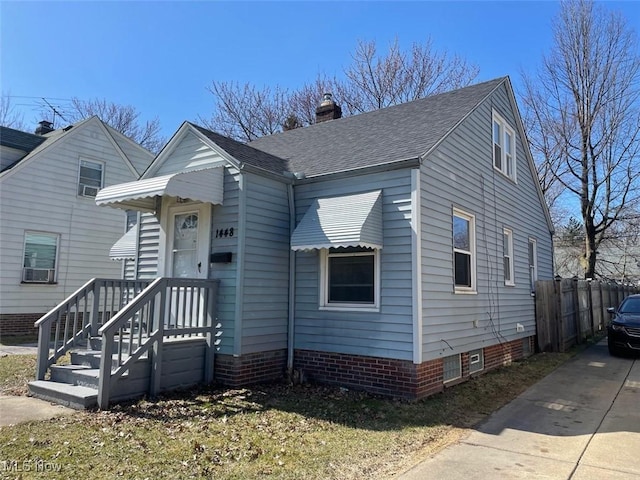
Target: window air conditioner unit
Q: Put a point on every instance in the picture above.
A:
(38, 275)
(89, 191)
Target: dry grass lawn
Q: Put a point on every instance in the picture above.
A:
(269, 431)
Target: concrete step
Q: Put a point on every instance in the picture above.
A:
(73, 396)
(91, 358)
(66, 373)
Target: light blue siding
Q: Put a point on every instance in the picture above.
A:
(266, 265)
(460, 174)
(387, 333)
(225, 217)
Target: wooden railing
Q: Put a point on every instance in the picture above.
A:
(80, 316)
(167, 308)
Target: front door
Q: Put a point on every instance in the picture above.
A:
(188, 241)
(187, 250)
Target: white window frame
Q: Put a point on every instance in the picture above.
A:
(82, 187)
(532, 250)
(509, 273)
(325, 255)
(507, 160)
(471, 252)
(52, 273)
(476, 357)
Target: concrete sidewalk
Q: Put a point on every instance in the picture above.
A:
(20, 409)
(581, 422)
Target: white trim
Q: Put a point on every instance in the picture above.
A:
(507, 232)
(534, 242)
(170, 209)
(55, 260)
(103, 168)
(472, 251)
(323, 291)
(416, 265)
(505, 129)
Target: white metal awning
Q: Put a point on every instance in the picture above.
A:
(126, 246)
(205, 185)
(346, 221)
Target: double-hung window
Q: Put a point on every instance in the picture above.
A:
(40, 254)
(504, 147)
(507, 236)
(90, 178)
(350, 278)
(464, 262)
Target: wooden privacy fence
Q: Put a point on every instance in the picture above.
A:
(568, 310)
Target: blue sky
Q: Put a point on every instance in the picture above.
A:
(159, 56)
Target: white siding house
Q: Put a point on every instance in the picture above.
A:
(393, 251)
(53, 236)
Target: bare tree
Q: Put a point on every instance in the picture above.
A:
(584, 118)
(372, 81)
(123, 118)
(246, 112)
(9, 117)
(375, 81)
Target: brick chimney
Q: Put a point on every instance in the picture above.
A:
(328, 109)
(44, 127)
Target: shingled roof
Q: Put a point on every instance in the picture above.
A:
(244, 153)
(23, 141)
(388, 135)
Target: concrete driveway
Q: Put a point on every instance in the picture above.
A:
(581, 422)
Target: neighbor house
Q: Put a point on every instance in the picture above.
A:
(394, 251)
(52, 234)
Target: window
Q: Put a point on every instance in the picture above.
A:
(504, 147)
(350, 278)
(90, 178)
(464, 252)
(40, 251)
(451, 368)
(508, 256)
(476, 360)
(533, 263)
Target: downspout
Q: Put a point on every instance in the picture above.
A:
(292, 282)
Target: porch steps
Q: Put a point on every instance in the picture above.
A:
(76, 385)
(73, 396)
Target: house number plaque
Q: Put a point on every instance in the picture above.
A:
(225, 232)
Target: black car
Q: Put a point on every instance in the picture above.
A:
(624, 330)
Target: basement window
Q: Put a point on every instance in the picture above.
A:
(476, 360)
(451, 368)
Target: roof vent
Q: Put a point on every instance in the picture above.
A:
(328, 109)
(44, 127)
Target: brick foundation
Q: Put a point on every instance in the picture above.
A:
(395, 378)
(251, 368)
(18, 323)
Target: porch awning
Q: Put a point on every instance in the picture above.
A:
(126, 246)
(346, 221)
(205, 185)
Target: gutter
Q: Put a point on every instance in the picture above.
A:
(292, 283)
